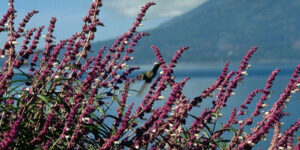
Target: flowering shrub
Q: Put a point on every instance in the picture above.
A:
(63, 103)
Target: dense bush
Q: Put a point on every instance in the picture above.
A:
(60, 98)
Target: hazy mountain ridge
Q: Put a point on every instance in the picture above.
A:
(226, 29)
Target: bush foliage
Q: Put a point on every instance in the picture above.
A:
(60, 97)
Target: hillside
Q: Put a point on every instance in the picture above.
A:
(226, 29)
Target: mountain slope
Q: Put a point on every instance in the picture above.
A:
(226, 29)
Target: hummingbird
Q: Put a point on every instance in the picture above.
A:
(147, 77)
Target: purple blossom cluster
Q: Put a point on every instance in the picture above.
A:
(64, 99)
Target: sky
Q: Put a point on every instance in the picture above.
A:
(117, 15)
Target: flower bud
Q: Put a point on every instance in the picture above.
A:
(240, 138)
(97, 80)
(161, 97)
(55, 64)
(250, 143)
(154, 130)
(14, 42)
(264, 105)
(248, 66)
(220, 114)
(240, 122)
(244, 73)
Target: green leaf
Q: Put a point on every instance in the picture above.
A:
(61, 100)
(234, 130)
(93, 115)
(118, 100)
(16, 81)
(13, 89)
(31, 120)
(61, 79)
(78, 83)
(2, 98)
(102, 111)
(5, 108)
(193, 116)
(220, 145)
(90, 126)
(23, 73)
(133, 90)
(222, 130)
(45, 99)
(208, 129)
(225, 141)
(205, 133)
